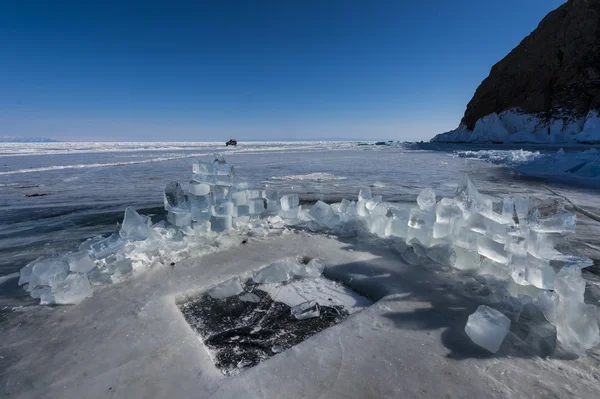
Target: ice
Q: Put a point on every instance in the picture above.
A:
(256, 206)
(203, 168)
(74, 289)
(25, 272)
(287, 269)
(493, 250)
(179, 218)
(441, 229)
(224, 209)
(466, 194)
(174, 198)
(466, 260)
(80, 262)
(49, 272)
(494, 269)
(135, 227)
(227, 289)
(277, 272)
(380, 225)
(241, 210)
(314, 268)
(324, 215)
(487, 328)
(291, 214)
(106, 246)
(365, 194)
(561, 222)
(576, 321)
(199, 189)
(373, 203)
(426, 199)
(250, 297)
(446, 211)
(398, 228)
(420, 219)
(379, 210)
(240, 197)
(221, 223)
(306, 310)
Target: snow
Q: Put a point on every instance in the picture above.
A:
(513, 126)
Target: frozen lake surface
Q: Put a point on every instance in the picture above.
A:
(409, 343)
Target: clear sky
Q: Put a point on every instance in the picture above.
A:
(277, 69)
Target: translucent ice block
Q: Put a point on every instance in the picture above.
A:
(324, 215)
(80, 262)
(135, 227)
(289, 201)
(487, 328)
(227, 289)
(426, 199)
(220, 223)
(179, 218)
(174, 198)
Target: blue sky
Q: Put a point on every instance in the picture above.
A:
(278, 69)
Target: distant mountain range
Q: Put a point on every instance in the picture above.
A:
(21, 139)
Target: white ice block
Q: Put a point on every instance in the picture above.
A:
(487, 328)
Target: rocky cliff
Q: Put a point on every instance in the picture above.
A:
(545, 90)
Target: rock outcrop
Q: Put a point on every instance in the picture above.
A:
(545, 90)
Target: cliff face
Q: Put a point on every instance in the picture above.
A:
(553, 74)
(556, 67)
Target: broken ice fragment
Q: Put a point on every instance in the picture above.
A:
(364, 194)
(279, 271)
(73, 290)
(314, 268)
(174, 198)
(487, 328)
(324, 215)
(227, 289)
(80, 262)
(426, 199)
(306, 310)
(135, 227)
(250, 297)
(466, 194)
(106, 246)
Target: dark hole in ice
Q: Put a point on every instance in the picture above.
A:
(240, 334)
